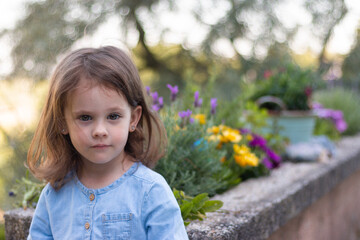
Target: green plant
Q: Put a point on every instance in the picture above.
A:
(192, 164)
(28, 191)
(345, 100)
(292, 84)
(2, 231)
(195, 208)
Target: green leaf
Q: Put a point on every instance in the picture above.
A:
(200, 200)
(186, 208)
(212, 206)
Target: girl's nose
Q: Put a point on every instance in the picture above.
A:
(100, 130)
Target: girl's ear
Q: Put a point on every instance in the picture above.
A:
(64, 130)
(135, 118)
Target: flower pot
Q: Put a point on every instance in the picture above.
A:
(297, 126)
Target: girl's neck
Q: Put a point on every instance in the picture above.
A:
(96, 176)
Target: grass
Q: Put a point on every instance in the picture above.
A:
(2, 231)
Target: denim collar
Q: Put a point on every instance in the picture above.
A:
(115, 184)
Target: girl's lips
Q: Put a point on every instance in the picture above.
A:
(100, 146)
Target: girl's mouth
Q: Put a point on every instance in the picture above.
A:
(100, 146)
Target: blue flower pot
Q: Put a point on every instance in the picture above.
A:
(297, 126)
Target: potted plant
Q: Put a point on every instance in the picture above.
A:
(286, 93)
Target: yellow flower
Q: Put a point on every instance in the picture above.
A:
(201, 118)
(213, 138)
(214, 130)
(231, 135)
(248, 159)
(240, 150)
(249, 137)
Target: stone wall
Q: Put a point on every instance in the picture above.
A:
(297, 201)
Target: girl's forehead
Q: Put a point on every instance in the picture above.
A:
(86, 85)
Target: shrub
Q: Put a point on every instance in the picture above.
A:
(345, 100)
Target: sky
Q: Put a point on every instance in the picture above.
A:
(182, 26)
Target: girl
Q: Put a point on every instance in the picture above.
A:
(94, 145)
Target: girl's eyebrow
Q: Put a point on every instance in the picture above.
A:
(85, 111)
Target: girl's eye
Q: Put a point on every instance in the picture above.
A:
(85, 118)
(113, 116)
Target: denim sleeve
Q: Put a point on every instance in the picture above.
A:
(162, 216)
(40, 224)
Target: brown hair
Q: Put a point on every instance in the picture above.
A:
(51, 154)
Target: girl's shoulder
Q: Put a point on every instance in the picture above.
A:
(148, 175)
(68, 181)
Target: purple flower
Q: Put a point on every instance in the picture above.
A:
(12, 194)
(197, 101)
(244, 131)
(341, 125)
(272, 155)
(336, 116)
(174, 91)
(185, 114)
(267, 163)
(147, 90)
(161, 102)
(213, 103)
(156, 107)
(155, 97)
(186, 117)
(258, 141)
(317, 105)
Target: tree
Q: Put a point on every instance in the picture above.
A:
(50, 28)
(350, 67)
(326, 15)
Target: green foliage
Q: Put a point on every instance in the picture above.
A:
(2, 231)
(350, 67)
(191, 163)
(195, 208)
(13, 153)
(345, 100)
(326, 127)
(254, 117)
(28, 190)
(292, 84)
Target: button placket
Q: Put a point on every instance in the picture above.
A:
(89, 214)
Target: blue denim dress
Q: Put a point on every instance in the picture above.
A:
(139, 205)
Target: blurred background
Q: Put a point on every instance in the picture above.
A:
(226, 42)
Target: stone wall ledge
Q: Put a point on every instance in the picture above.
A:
(258, 207)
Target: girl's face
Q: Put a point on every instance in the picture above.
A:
(98, 120)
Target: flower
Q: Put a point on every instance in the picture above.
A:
(155, 97)
(201, 118)
(244, 157)
(158, 102)
(197, 101)
(174, 91)
(336, 116)
(258, 141)
(267, 74)
(185, 117)
(213, 103)
(185, 114)
(147, 90)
